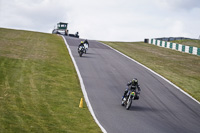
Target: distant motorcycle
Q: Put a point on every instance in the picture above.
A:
(81, 50)
(127, 100)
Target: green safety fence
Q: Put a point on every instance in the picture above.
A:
(176, 46)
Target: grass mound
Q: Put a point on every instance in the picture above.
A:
(39, 87)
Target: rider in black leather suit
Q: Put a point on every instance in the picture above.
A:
(133, 85)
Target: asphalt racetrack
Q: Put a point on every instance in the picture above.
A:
(162, 108)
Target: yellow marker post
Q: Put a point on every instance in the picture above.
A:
(81, 103)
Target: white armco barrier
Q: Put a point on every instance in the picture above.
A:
(175, 46)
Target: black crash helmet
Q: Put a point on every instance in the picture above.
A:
(134, 81)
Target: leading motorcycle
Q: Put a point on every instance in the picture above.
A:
(127, 99)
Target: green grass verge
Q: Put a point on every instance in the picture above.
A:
(180, 68)
(39, 87)
(194, 43)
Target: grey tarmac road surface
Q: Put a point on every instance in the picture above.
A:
(161, 108)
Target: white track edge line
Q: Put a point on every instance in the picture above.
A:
(154, 73)
(83, 88)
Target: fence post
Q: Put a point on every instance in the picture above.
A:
(190, 49)
(177, 45)
(198, 51)
(165, 44)
(183, 48)
(170, 45)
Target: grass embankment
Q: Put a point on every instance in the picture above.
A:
(39, 87)
(180, 68)
(194, 43)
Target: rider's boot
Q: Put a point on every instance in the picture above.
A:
(124, 94)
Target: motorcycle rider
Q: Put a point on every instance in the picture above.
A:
(133, 85)
(81, 45)
(86, 41)
(76, 35)
(86, 45)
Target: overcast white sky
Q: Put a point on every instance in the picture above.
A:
(111, 20)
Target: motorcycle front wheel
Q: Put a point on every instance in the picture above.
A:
(129, 102)
(80, 54)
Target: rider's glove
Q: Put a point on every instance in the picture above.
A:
(138, 92)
